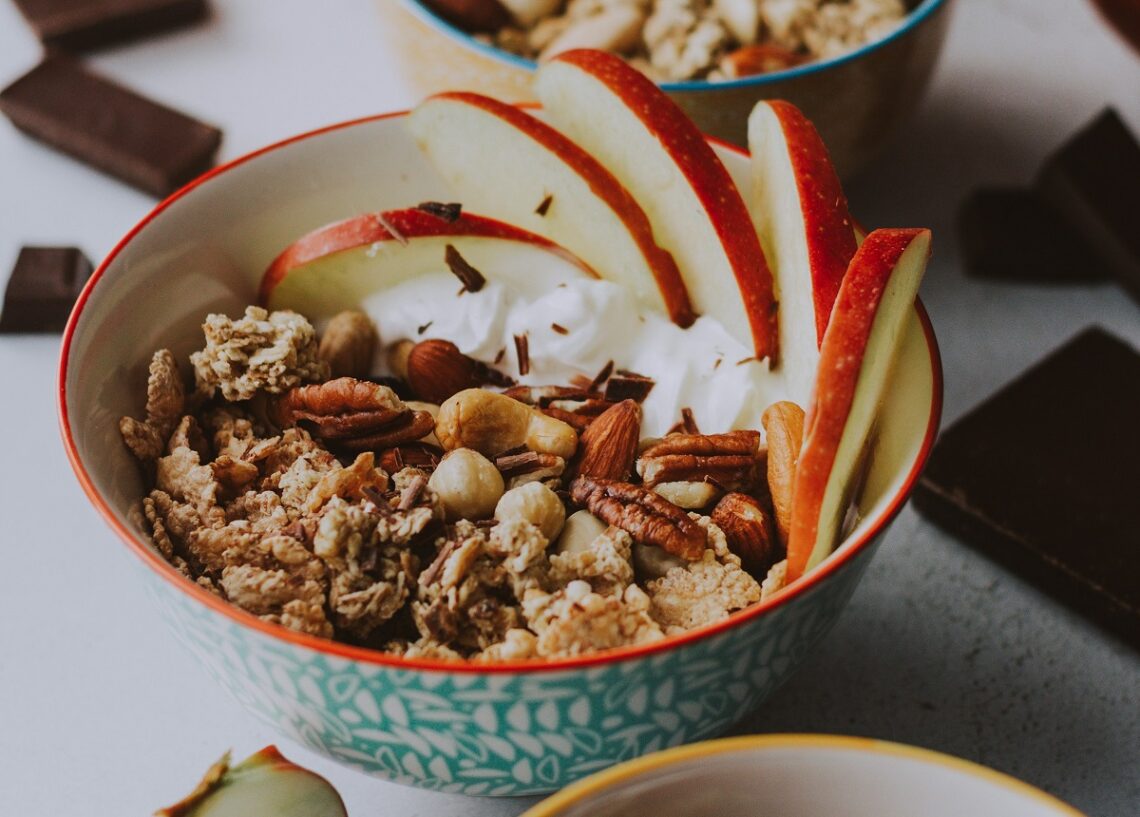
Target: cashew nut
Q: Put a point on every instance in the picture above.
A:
(652, 562)
(688, 495)
(535, 503)
(490, 423)
(468, 484)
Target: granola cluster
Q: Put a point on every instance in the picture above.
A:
(506, 523)
(671, 40)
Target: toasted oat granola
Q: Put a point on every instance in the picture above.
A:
(703, 39)
(330, 544)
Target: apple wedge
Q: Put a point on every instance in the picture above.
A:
(801, 216)
(629, 125)
(538, 179)
(874, 301)
(335, 266)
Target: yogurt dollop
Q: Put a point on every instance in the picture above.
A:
(702, 367)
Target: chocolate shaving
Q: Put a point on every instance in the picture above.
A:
(374, 495)
(744, 360)
(544, 205)
(511, 465)
(391, 228)
(412, 492)
(688, 421)
(434, 569)
(716, 365)
(472, 279)
(601, 377)
(502, 353)
(448, 211)
(626, 385)
(560, 329)
(423, 327)
(522, 351)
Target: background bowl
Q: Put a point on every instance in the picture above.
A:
(801, 776)
(857, 100)
(496, 730)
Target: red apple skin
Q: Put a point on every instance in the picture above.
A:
(709, 179)
(369, 228)
(840, 360)
(606, 187)
(828, 225)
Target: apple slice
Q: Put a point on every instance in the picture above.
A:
(503, 162)
(657, 153)
(335, 266)
(800, 213)
(855, 362)
(265, 783)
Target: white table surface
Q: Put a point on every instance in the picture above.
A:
(102, 713)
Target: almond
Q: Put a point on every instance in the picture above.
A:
(436, 370)
(784, 424)
(608, 446)
(748, 528)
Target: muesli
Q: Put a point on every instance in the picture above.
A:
(505, 522)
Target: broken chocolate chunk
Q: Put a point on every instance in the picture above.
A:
(1015, 235)
(44, 285)
(1042, 478)
(449, 211)
(84, 25)
(472, 279)
(1091, 181)
(626, 385)
(141, 142)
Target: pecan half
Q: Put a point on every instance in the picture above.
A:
(608, 447)
(733, 460)
(747, 526)
(647, 517)
(350, 414)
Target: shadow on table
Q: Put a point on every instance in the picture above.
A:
(941, 649)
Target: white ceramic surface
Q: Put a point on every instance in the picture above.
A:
(801, 776)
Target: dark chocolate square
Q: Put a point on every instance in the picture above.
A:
(1044, 477)
(83, 25)
(1011, 234)
(1092, 181)
(149, 145)
(42, 289)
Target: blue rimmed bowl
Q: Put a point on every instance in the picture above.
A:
(857, 100)
(493, 730)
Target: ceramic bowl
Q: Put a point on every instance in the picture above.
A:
(857, 100)
(801, 776)
(494, 730)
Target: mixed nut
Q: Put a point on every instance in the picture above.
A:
(671, 40)
(443, 511)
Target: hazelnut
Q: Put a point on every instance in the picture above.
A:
(398, 358)
(468, 484)
(535, 503)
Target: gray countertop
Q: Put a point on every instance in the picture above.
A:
(102, 713)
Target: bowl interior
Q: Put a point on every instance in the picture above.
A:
(204, 251)
(802, 776)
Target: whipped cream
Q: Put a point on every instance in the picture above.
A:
(702, 367)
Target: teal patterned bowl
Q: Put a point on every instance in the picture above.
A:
(510, 729)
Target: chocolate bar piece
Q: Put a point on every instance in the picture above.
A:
(1013, 235)
(146, 144)
(83, 25)
(1044, 477)
(1091, 180)
(44, 285)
